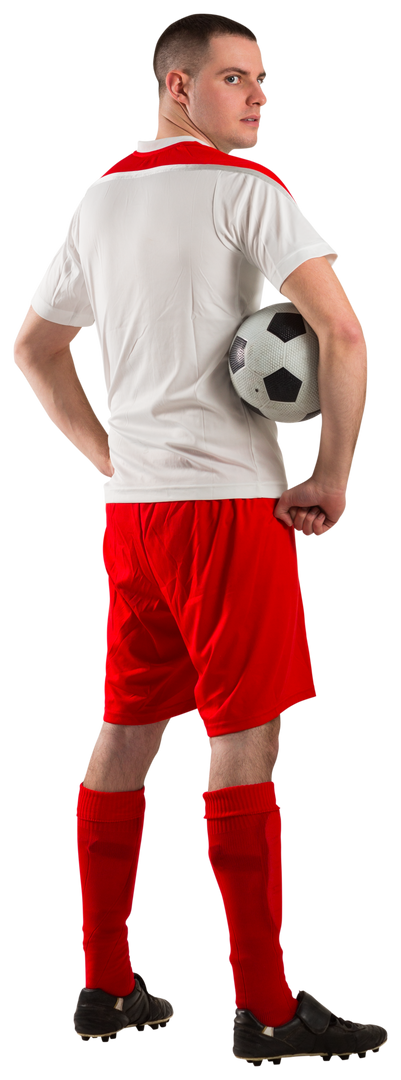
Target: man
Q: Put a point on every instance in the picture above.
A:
(167, 253)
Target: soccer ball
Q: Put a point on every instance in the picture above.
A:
(273, 361)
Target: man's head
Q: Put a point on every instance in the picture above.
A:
(210, 76)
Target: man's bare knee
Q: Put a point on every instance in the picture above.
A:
(122, 755)
(244, 757)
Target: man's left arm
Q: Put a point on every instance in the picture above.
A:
(317, 291)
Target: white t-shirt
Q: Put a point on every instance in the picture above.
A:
(167, 253)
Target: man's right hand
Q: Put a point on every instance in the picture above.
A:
(310, 507)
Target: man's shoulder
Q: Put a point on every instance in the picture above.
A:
(192, 154)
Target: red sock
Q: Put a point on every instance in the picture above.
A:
(244, 830)
(110, 827)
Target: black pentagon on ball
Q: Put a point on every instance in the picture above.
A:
(286, 325)
(282, 385)
(236, 355)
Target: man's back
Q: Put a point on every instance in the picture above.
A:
(167, 253)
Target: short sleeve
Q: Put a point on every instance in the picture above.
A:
(257, 216)
(61, 294)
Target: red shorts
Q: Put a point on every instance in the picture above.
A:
(205, 613)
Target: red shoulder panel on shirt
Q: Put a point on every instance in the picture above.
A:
(187, 154)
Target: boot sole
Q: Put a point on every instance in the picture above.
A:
(257, 1063)
(105, 1035)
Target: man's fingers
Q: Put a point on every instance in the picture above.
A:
(305, 519)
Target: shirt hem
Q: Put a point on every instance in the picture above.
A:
(269, 490)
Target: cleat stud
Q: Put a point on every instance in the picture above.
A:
(361, 1053)
(85, 1038)
(113, 1035)
(344, 1057)
(257, 1062)
(140, 1027)
(276, 1061)
(376, 1049)
(163, 1023)
(154, 1026)
(326, 1057)
(105, 1038)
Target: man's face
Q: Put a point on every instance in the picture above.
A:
(221, 101)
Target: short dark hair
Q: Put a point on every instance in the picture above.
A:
(186, 42)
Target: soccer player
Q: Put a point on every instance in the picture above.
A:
(167, 253)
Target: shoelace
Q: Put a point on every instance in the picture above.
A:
(347, 1023)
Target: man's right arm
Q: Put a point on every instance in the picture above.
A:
(42, 352)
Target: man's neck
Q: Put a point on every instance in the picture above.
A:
(168, 130)
(172, 122)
